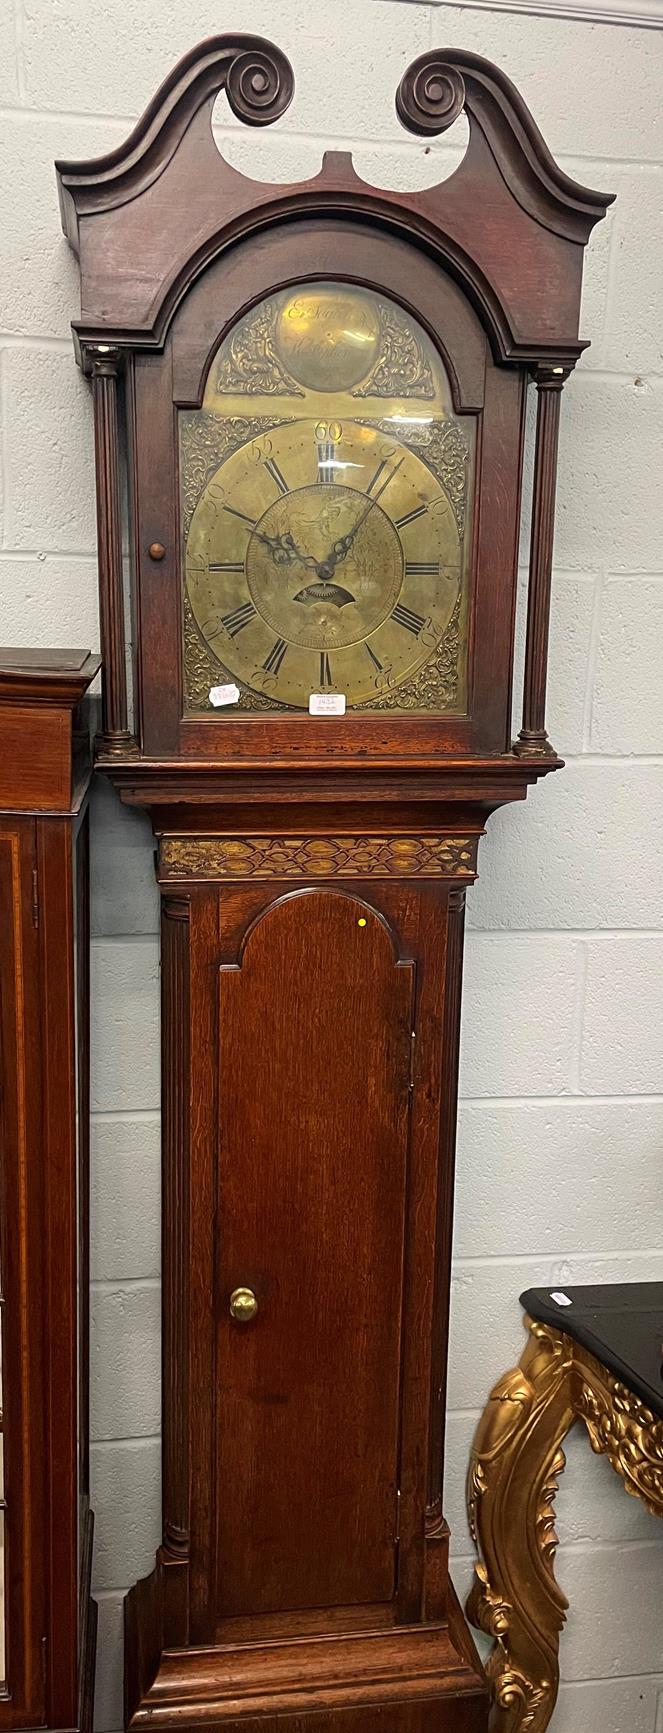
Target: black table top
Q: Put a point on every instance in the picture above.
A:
(621, 1324)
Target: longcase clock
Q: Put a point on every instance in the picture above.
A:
(323, 388)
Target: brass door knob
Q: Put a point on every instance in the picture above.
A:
(243, 1305)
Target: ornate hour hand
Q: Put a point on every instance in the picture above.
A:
(284, 550)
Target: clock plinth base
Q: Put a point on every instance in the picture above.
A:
(419, 1679)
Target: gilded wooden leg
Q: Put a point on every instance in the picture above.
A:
(516, 1458)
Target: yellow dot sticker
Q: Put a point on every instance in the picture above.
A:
(362, 921)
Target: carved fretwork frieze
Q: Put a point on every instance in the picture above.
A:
(317, 857)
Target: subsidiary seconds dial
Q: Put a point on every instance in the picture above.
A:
(322, 556)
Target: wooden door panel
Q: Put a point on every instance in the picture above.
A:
(314, 1068)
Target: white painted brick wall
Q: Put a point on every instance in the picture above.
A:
(561, 1126)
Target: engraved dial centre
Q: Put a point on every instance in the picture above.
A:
(324, 566)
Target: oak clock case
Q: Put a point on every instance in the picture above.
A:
(324, 392)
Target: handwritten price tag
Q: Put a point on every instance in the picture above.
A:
(219, 695)
(326, 704)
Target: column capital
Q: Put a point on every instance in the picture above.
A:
(550, 377)
(102, 360)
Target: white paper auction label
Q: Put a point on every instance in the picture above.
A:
(219, 695)
(326, 704)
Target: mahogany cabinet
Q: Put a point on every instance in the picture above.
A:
(323, 388)
(47, 1618)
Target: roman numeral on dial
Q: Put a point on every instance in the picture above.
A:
(273, 661)
(326, 454)
(407, 618)
(419, 511)
(226, 566)
(238, 618)
(273, 469)
(325, 671)
(422, 568)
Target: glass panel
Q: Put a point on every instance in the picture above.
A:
(326, 505)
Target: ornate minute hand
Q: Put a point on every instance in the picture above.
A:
(341, 548)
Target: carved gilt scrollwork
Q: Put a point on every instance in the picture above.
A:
(623, 1429)
(516, 1461)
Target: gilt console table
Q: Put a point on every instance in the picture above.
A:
(592, 1354)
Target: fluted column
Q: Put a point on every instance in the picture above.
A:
(533, 740)
(105, 363)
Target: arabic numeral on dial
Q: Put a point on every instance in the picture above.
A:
(384, 679)
(332, 430)
(261, 449)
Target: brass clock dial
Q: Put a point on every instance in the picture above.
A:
(318, 563)
(326, 549)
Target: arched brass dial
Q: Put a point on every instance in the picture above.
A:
(323, 556)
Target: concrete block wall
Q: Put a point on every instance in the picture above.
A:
(561, 1122)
